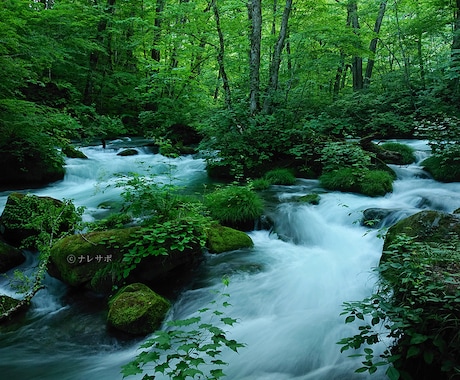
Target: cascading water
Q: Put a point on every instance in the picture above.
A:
(286, 292)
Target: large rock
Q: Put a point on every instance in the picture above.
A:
(19, 220)
(136, 309)
(93, 260)
(428, 227)
(224, 239)
(10, 257)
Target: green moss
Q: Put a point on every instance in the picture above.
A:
(368, 182)
(310, 199)
(407, 153)
(136, 309)
(376, 183)
(260, 184)
(72, 152)
(224, 239)
(235, 206)
(280, 177)
(7, 303)
(443, 169)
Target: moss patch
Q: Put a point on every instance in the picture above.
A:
(224, 239)
(136, 309)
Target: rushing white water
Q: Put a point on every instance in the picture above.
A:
(286, 292)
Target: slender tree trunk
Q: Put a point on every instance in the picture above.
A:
(220, 58)
(357, 61)
(88, 95)
(255, 16)
(373, 44)
(155, 53)
(276, 62)
(338, 76)
(455, 55)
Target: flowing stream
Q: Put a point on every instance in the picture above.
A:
(286, 292)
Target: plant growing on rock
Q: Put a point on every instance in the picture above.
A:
(416, 307)
(188, 348)
(234, 206)
(46, 219)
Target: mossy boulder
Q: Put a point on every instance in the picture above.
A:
(72, 152)
(372, 183)
(426, 226)
(93, 260)
(10, 257)
(443, 168)
(137, 310)
(17, 219)
(128, 152)
(429, 229)
(224, 239)
(312, 199)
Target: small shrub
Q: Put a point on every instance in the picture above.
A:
(375, 183)
(260, 184)
(368, 182)
(337, 155)
(234, 206)
(406, 151)
(445, 166)
(344, 179)
(280, 177)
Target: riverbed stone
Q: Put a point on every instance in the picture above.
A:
(71, 152)
(10, 257)
(223, 239)
(137, 310)
(94, 260)
(427, 226)
(19, 211)
(128, 152)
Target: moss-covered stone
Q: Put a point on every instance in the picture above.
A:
(224, 239)
(136, 309)
(426, 226)
(443, 168)
(128, 152)
(431, 228)
(93, 260)
(10, 257)
(312, 199)
(20, 210)
(72, 152)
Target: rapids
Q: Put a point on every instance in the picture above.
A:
(286, 292)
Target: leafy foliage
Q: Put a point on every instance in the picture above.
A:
(416, 306)
(189, 348)
(280, 177)
(406, 151)
(234, 204)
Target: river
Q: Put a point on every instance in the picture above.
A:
(286, 292)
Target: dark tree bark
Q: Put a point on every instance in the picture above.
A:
(255, 16)
(155, 53)
(373, 44)
(94, 58)
(220, 58)
(276, 61)
(357, 61)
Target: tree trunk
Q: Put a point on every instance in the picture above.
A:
(155, 53)
(276, 62)
(220, 58)
(255, 16)
(455, 54)
(373, 44)
(357, 62)
(88, 95)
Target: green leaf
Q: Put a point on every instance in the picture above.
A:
(392, 373)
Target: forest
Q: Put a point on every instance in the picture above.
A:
(256, 81)
(266, 92)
